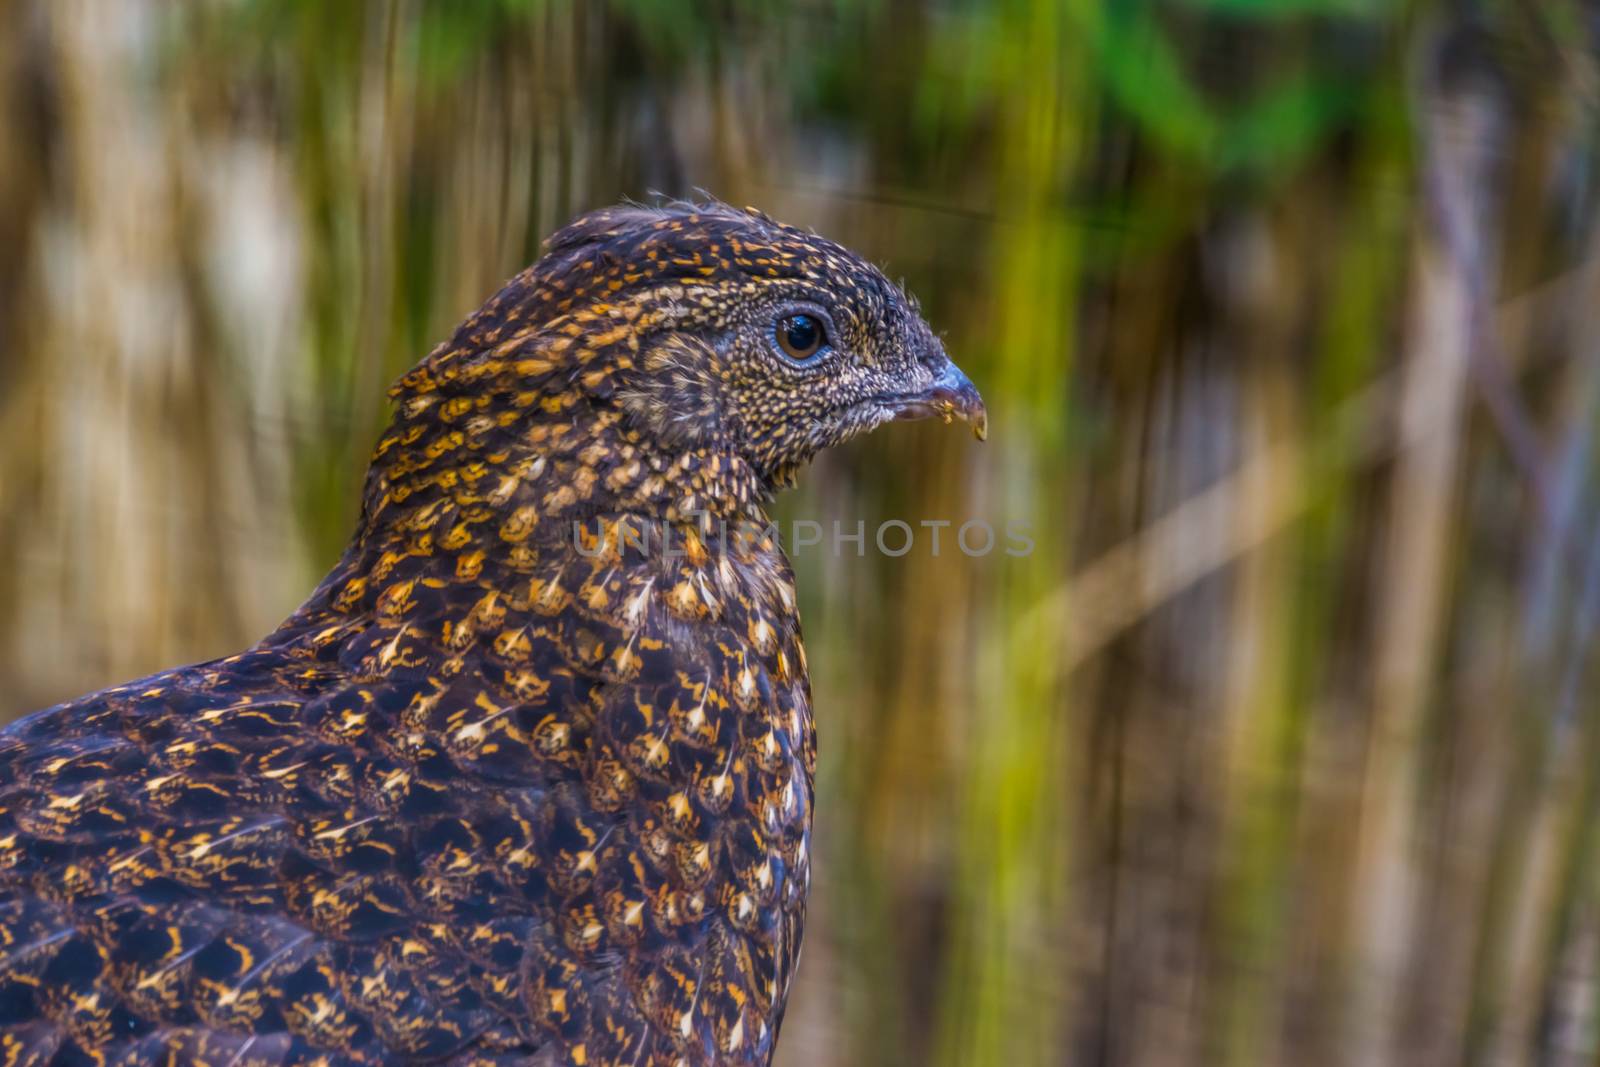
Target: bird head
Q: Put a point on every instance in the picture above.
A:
(759, 335)
(713, 330)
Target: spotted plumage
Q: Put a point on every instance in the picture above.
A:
(528, 779)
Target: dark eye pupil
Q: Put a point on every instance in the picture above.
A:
(802, 334)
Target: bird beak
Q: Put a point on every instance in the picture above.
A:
(950, 396)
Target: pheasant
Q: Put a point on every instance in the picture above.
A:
(528, 779)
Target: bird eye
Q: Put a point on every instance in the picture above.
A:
(800, 336)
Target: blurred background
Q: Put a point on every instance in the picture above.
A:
(1281, 747)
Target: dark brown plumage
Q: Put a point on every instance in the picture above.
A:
(529, 777)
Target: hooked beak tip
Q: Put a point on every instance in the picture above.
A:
(951, 396)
